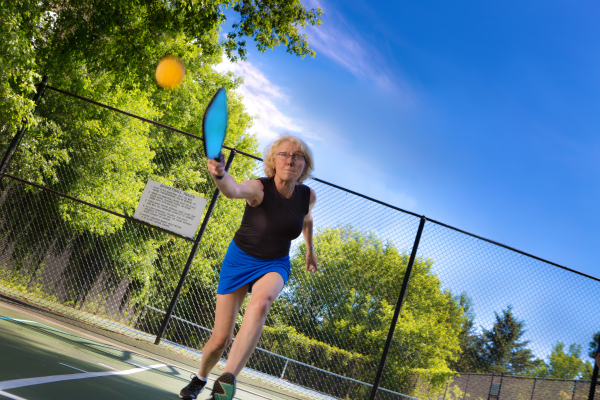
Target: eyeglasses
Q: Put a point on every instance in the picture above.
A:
(295, 157)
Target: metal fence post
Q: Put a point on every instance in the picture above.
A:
(17, 138)
(188, 264)
(388, 342)
(284, 368)
(139, 318)
(593, 383)
(491, 385)
(500, 389)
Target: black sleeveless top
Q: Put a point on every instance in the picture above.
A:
(268, 229)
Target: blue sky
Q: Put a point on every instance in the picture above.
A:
(482, 115)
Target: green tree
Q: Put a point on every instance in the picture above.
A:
(564, 365)
(349, 304)
(504, 349)
(472, 345)
(593, 346)
(19, 69)
(108, 51)
(73, 41)
(106, 159)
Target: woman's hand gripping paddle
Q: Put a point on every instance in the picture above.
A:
(214, 126)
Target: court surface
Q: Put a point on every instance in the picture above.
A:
(47, 356)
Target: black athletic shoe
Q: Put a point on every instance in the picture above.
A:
(224, 387)
(191, 391)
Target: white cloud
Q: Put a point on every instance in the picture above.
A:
(337, 40)
(263, 100)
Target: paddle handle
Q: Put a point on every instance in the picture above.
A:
(219, 158)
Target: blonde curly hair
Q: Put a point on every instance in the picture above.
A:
(271, 153)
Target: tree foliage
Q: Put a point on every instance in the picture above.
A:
(105, 158)
(499, 349)
(350, 303)
(75, 40)
(594, 346)
(565, 364)
(504, 349)
(107, 51)
(472, 355)
(19, 70)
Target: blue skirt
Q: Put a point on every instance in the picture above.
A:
(240, 268)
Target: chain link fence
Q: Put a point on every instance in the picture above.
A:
(502, 386)
(477, 320)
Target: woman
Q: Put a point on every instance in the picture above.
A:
(278, 209)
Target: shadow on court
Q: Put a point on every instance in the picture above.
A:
(33, 352)
(21, 310)
(44, 355)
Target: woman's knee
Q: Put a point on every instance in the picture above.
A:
(261, 303)
(220, 342)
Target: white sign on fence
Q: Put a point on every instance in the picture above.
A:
(170, 208)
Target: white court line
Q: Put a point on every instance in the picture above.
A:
(10, 396)
(95, 374)
(104, 365)
(17, 383)
(136, 364)
(73, 367)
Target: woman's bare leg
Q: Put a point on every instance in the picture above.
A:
(228, 307)
(264, 292)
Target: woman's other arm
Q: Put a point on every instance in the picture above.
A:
(307, 231)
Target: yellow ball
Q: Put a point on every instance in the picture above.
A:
(170, 72)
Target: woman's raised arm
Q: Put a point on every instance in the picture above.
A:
(251, 191)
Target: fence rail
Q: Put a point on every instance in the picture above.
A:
(500, 386)
(287, 360)
(388, 317)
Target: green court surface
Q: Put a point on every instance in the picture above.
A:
(46, 356)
